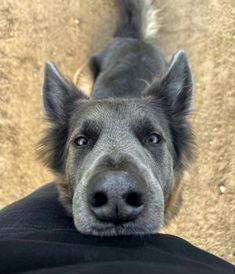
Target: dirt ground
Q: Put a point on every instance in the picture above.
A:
(67, 32)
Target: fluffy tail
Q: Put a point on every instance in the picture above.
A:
(136, 19)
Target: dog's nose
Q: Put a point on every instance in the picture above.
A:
(116, 196)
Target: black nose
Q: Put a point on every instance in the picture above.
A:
(116, 196)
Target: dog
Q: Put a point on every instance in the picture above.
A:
(118, 155)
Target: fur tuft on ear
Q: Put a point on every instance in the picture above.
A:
(57, 92)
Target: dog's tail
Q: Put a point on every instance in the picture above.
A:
(137, 19)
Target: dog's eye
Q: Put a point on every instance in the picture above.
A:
(153, 138)
(81, 141)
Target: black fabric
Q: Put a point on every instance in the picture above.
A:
(36, 236)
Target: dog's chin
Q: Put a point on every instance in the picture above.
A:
(109, 230)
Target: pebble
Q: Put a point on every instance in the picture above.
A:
(222, 188)
(77, 21)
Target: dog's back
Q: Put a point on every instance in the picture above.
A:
(130, 62)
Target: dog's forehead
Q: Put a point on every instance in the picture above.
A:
(119, 116)
(114, 110)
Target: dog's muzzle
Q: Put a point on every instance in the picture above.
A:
(116, 197)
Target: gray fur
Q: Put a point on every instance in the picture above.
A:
(136, 92)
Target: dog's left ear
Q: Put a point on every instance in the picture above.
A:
(176, 87)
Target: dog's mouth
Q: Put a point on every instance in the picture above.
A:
(122, 229)
(149, 221)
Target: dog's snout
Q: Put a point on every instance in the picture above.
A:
(116, 196)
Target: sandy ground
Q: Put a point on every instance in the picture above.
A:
(67, 32)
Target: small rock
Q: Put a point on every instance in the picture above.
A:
(77, 22)
(222, 188)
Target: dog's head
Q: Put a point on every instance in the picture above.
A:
(117, 161)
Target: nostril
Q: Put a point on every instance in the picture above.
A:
(99, 199)
(134, 199)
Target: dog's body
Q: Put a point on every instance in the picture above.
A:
(118, 155)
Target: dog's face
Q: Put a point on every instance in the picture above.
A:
(117, 159)
(119, 148)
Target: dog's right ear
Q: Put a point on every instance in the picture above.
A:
(57, 93)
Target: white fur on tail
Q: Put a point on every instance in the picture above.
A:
(150, 25)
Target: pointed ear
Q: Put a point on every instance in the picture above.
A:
(176, 87)
(57, 93)
(174, 93)
(179, 84)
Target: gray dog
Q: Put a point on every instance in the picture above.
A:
(118, 155)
